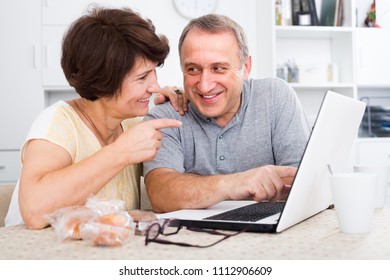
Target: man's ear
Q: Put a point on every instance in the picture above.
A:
(247, 67)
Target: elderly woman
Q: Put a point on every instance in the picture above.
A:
(93, 145)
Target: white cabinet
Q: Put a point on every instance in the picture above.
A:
(373, 78)
(314, 50)
(58, 12)
(325, 56)
(374, 151)
(361, 55)
(9, 165)
(21, 95)
(56, 18)
(373, 69)
(52, 74)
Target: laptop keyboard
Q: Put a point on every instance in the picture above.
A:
(250, 213)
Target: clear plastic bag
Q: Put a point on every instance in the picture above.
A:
(105, 235)
(67, 221)
(105, 206)
(103, 222)
(144, 219)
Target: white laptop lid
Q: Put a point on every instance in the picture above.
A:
(331, 140)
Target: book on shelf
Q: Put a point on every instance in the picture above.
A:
(332, 13)
(295, 9)
(304, 12)
(340, 13)
(313, 13)
(283, 13)
(309, 7)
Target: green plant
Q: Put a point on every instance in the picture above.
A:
(371, 15)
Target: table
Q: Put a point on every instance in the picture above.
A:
(317, 238)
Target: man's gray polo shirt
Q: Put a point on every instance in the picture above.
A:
(269, 128)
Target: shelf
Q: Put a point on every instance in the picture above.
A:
(373, 86)
(310, 31)
(371, 29)
(321, 86)
(54, 94)
(59, 88)
(373, 140)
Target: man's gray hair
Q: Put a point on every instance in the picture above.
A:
(214, 23)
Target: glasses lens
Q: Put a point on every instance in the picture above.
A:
(170, 227)
(153, 231)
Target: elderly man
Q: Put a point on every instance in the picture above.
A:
(240, 139)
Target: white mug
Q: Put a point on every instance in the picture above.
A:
(383, 172)
(354, 198)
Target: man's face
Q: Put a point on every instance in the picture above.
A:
(213, 73)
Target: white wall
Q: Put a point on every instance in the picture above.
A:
(170, 23)
(167, 22)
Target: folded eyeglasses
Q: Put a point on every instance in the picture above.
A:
(173, 226)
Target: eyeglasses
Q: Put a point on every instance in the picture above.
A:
(173, 226)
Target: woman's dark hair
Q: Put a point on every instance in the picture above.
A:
(100, 49)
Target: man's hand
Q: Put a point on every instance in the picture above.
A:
(262, 183)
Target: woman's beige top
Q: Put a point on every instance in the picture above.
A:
(61, 125)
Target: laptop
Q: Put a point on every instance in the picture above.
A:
(334, 131)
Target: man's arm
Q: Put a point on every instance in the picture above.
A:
(170, 190)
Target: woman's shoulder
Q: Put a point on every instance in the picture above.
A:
(60, 107)
(58, 117)
(56, 124)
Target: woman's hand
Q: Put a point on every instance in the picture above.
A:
(176, 96)
(142, 141)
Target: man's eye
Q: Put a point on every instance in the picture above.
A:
(219, 69)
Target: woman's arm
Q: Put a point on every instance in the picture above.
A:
(50, 180)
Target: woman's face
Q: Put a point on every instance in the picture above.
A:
(137, 88)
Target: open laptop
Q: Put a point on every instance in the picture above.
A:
(330, 142)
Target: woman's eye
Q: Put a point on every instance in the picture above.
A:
(193, 70)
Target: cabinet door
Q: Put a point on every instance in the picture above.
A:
(52, 74)
(21, 97)
(57, 15)
(9, 166)
(59, 12)
(374, 152)
(373, 56)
